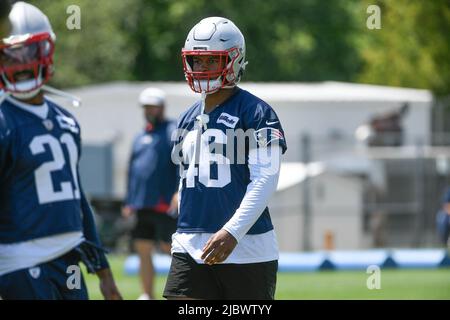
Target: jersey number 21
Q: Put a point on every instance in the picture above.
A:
(42, 175)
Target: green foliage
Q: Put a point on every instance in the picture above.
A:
(412, 49)
(287, 40)
(101, 50)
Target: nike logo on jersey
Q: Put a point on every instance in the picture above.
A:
(228, 120)
(270, 123)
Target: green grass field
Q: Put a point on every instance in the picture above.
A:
(395, 284)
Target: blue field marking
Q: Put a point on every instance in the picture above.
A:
(423, 258)
(357, 260)
(311, 261)
(331, 260)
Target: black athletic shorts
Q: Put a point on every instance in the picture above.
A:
(154, 226)
(251, 281)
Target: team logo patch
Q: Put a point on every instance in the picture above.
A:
(228, 120)
(35, 272)
(67, 123)
(48, 124)
(265, 136)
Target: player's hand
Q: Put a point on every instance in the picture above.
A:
(108, 286)
(174, 203)
(218, 247)
(173, 209)
(127, 212)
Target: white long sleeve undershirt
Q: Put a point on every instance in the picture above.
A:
(264, 166)
(254, 248)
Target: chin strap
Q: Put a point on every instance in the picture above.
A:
(76, 102)
(202, 118)
(25, 95)
(3, 96)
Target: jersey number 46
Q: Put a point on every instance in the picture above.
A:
(199, 161)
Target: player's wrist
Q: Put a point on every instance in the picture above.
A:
(104, 273)
(232, 232)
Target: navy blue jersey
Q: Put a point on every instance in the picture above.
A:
(213, 189)
(46, 281)
(152, 176)
(40, 193)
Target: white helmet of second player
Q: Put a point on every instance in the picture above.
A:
(152, 97)
(26, 56)
(214, 36)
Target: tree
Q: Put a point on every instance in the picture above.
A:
(287, 40)
(101, 50)
(412, 47)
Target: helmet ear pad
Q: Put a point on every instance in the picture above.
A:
(235, 67)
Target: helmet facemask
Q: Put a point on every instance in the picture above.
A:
(211, 81)
(26, 63)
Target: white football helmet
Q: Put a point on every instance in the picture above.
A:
(152, 97)
(26, 56)
(214, 36)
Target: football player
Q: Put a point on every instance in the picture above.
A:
(46, 223)
(229, 146)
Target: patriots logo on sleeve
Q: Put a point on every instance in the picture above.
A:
(67, 123)
(266, 135)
